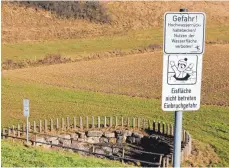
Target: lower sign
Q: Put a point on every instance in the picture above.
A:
(26, 107)
(181, 82)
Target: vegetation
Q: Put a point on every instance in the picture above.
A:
(91, 10)
(33, 54)
(55, 102)
(78, 48)
(133, 82)
(15, 155)
(133, 75)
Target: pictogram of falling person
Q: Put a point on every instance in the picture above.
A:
(182, 71)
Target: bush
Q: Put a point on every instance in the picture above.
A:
(89, 10)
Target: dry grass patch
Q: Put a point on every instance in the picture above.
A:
(135, 75)
(203, 155)
(27, 24)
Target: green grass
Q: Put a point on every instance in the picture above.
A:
(78, 48)
(16, 155)
(208, 125)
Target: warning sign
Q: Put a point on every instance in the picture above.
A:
(182, 70)
(184, 33)
(181, 82)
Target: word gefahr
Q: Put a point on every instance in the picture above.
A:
(184, 18)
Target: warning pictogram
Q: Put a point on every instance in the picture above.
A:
(182, 70)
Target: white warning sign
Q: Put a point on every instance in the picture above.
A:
(181, 82)
(184, 33)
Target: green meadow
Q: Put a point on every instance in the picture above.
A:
(209, 125)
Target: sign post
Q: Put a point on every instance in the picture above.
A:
(26, 114)
(184, 39)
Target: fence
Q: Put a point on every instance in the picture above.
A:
(69, 124)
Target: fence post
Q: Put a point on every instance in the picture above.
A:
(18, 130)
(154, 126)
(4, 133)
(87, 123)
(149, 123)
(24, 129)
(13, 130)
(133, 122)
(163, 128)
(128, 122)
(167, 161)
(159, 127)
(182, 155)
(116, 121)
(172, 159)
(62, 124)
(105, 122)
(111, 124)
(190, 144)
(98, 121)
(57, 124)
(186, 137)
(74, 122)
(93, 122)
(67, 120)
(9, 131)
(122, 123)
(144, 124)
(163, 162)
(81, 123)
(40, 126)
(35, 140)
(167, 129)
(93, 148)
(138, 123)
(45, 125)
(171, 130)
(51, 125)
(123, 153)
(34, 126)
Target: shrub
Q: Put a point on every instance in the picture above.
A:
(89, 10)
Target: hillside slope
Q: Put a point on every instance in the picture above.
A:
(28, 24)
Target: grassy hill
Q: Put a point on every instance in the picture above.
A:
(134, 75)
(20, 23)
(123, 79)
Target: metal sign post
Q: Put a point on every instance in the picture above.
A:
(177, 131)
(26, 114)
(184, 39)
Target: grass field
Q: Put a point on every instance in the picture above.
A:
(82, 89)
(16, 155)
(79, 48)
(52, 102)
(126, 86)
(134, 75)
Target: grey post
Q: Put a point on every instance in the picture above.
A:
(177, 131)
(177, 138)
(27, 130)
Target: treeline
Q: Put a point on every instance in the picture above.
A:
(89, 10)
